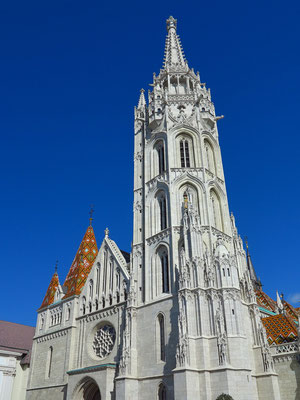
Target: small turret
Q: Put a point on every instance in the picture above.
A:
(53, 287)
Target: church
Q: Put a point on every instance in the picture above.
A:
(183, 316)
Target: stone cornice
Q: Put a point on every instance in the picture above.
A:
(92, 368)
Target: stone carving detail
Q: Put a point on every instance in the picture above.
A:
(265, 349)
(138, 156)
(182, 350)
(104, 340)
(221, 336)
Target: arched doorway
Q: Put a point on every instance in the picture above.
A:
(88, 390)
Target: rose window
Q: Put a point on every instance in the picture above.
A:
(104, 340)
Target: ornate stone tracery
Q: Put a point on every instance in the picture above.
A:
(104, 340)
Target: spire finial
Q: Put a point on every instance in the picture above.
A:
(56, 265)
(91, 214)
(106, 232)
(246, 243)
(142, 100)
(171, 23)
(174, 57)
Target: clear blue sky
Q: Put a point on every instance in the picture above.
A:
(70, 75)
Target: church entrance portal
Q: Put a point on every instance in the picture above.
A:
(88, 390)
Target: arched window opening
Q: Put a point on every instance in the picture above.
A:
(83, 305)
(164, 263)
(90, 306)
(161, 337)
(110, 299)
(210, 157)
(91, 289)
(118, 297)
(97, 279)
(163, 212)
(162, 392)
(184, 153)
(161, 159)
(216, 211)
(96, 304)
(125, 294)
(50, 355)
(103, 302)
(68, 313)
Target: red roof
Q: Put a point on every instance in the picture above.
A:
(17, 338)
(49, 297)
(82, 264)
(280, 329)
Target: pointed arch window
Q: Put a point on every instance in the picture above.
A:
(184, 153)
(161, 337)
(91, 286)
(161, 159)
(210, 157)
(163, 212)
(164, 264)
(216, 211)
(50, 356)
(83, 305)
(162, 392)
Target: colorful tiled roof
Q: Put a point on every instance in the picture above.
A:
(82, 264)
(263, 300)
(49, 297)
(290, 310)
(279, 329)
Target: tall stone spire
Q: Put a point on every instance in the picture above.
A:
(174, 56)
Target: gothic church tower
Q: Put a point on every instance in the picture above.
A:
(192, 320)
(177, 319)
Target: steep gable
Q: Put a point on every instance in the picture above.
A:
(107, 283)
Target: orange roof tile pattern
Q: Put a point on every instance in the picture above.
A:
(290, 310)
(263, 300)
(49, 298)
(279, 329)
(82, 264)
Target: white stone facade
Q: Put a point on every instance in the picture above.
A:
(180, 320)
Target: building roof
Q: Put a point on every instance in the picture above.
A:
(17, 338)
(264, 301)
(290, 310)
(279, 329)
(49, 297)
(82, 264)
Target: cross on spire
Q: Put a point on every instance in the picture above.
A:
(56, 265)
(91, 214)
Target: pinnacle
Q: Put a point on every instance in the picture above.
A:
(142, 100)
(49, 297)
(173, 56)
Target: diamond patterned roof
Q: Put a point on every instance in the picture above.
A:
(82, 264)
(279, 329)
(291, 311)
(263, 300)
(49, 297)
